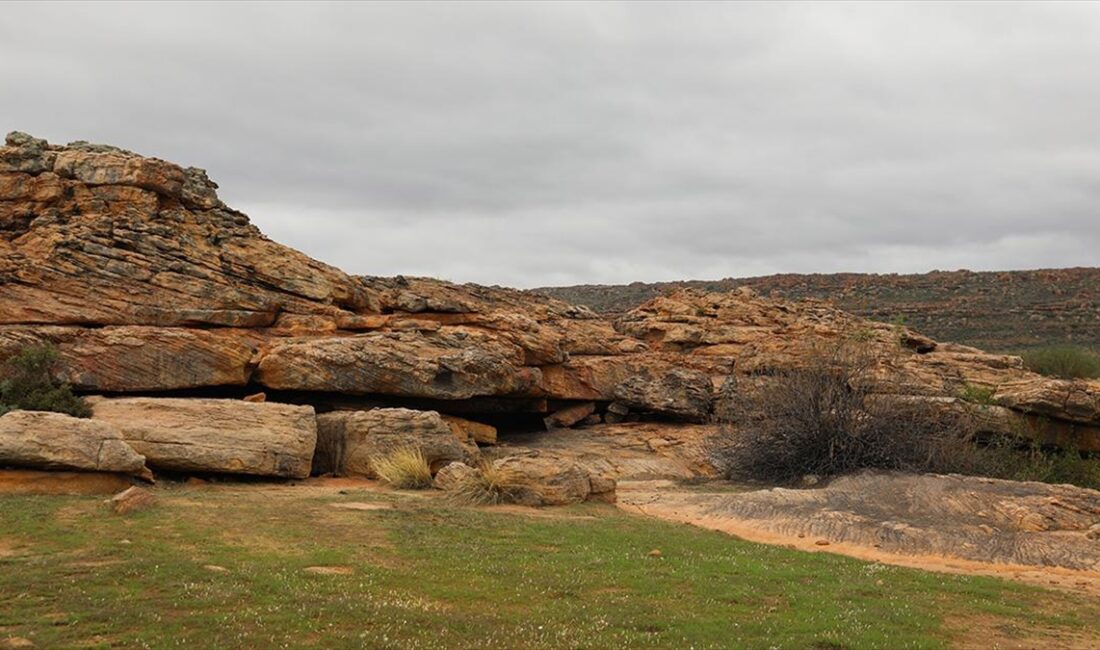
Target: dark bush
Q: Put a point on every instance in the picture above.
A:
(26, 383)
(1063, 361)
(820, 419)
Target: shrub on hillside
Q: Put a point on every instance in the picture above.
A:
(821, 419)
(404, 468)
(1020, 459)
(26, 383)
(1063, 361)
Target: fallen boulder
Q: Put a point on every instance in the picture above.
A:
(215, 435)
(545, 480)
(348, 442)
(43, 440)
(467, 430)
(452, 476)
(569, 415)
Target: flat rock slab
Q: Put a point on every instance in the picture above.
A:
(968, 518)
(215, 435)
(41, 440)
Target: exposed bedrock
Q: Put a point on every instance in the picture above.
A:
(147, 282)
(972, 518)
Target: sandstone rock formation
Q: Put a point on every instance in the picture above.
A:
(54, 441)
(215, 435)
(146, 282)
(348, 442)
(991, 310)
(546, 480)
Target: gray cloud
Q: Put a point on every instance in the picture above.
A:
(531, 144)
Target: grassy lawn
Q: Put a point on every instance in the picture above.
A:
(265, 567)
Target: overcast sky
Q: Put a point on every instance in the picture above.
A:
(526, 144)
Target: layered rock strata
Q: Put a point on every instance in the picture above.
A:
(147, 282)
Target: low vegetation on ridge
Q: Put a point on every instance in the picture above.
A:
(1063, 361)
(26, 383)
(820, 420)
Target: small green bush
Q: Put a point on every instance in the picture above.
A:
(1020, 459)
(1063, 361)
(976, 394)
(404, 468)
(27, 384)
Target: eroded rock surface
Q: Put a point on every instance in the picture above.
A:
(55, 441)
(545, 479)
(976, 519)
(146, 282)
(215, 435)
(349, 442)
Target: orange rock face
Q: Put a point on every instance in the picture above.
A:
(146, 281)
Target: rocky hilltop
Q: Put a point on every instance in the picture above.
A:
(212, 348)
(1003, 310)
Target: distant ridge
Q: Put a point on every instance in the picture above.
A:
(993, 310)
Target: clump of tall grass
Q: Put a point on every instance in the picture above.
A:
(404, 468)
(485, 485)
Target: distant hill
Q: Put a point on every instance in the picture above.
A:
(995, 310)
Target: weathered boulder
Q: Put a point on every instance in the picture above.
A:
(452, 475)
(568, 416)
(215, 435)
(680, 393)
(545, 480)
(348, 442)
(56, 441)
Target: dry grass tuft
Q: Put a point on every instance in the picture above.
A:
(488, 485)
(404, 468)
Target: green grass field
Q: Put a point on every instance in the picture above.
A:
(255, 566)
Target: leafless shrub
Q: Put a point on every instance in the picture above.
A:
(821, 419)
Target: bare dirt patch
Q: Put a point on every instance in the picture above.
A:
(329, 570)
(359, 505)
